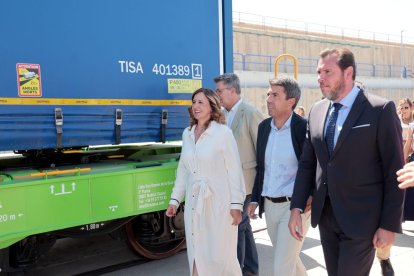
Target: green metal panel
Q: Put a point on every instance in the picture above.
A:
(56, 203)
(12, 210)
(110, 190)
(153, 191)
(112, 196)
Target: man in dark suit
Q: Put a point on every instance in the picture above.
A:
(279, 146)
(353, 149)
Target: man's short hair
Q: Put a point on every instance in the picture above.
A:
(345, 58)
(230, 80)
(291, 87)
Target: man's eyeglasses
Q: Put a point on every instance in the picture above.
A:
(219, 91)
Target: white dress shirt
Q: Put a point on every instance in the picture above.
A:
(347, 103)
(231, 113)
(281, 163)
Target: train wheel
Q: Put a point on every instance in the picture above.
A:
(156, 236)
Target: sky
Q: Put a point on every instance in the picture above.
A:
(385, 17)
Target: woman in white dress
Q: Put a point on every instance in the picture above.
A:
(409, 142)
(406, 117)
(210, 176)
(407, 125)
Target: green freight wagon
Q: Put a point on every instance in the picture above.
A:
(94, 97)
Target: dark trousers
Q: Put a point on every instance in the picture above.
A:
(344, 256)
(409, 205)
(246, 246)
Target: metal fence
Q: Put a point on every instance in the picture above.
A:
(265, 63)
(267, 21)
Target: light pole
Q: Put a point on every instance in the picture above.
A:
(402, 55)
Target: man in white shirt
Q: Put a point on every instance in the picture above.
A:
(279, 147)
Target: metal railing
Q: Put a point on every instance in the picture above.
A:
(267, 21)
(265, 63)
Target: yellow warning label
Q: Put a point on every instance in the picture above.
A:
(73, 101)
(28, 80)
(183, 85)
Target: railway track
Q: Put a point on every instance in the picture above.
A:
(91, 256)
(88, 257)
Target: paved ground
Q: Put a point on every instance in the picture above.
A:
(402, 256)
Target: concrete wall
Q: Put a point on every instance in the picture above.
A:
(257, 96)
(255, 84)
(254, 39)
(258, 39)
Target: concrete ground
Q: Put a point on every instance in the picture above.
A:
(402, 256)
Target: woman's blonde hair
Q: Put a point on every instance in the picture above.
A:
(410, 104)
(405, 101)
(214, 100)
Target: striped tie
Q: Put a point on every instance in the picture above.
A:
(330, 129)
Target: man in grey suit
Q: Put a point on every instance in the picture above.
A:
(352, 151)
(243, 119)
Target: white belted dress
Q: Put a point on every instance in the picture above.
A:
(210, 177)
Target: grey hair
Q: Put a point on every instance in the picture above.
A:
(230, 80)
(290, 86)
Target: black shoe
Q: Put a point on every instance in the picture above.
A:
(248, 273)
(386, 268)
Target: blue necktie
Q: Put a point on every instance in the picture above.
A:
(330, 129)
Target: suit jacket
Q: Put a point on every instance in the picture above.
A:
(298, 132)
(244, 128)
(360, 174)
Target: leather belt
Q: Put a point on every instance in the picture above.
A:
(279, 199)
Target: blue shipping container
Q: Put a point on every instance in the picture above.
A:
(77, 73)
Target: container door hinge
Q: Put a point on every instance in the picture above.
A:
(164, 117)
(118, 123)
(59, 126)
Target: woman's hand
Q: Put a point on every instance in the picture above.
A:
(171, 211)
(406, 176)
(236, 215)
